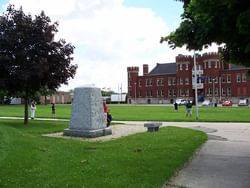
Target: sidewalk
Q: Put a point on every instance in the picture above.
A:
(223, 162)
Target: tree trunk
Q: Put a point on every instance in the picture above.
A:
(26, 112)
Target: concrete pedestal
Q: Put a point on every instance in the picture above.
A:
(87, 116)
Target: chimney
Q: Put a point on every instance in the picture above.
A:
(145, 69)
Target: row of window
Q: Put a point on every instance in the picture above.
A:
(206, 65)
(224, 92)
(225, 78)
(185, 92)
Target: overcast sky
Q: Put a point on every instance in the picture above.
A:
(110, 35)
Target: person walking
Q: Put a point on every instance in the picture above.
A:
(33, 109)
(53, 108)
(176, 106)
(105, 110)
(189, 109)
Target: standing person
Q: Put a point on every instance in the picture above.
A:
(189, 109)
(175, 106)
(53, 108)
(33, 109)
(105, 110)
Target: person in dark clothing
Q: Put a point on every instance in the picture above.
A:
(176, 106)
(109, 119)
(53, 108)
(189, 109)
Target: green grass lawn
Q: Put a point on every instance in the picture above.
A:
(28, 159)
(143, 113)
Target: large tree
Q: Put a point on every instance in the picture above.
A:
(225, 22)
(30, 57)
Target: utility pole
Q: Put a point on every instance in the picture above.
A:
(195, 88)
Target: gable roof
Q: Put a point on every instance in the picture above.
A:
(164, 68)
(237, 67)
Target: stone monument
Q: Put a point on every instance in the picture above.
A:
(87, 115)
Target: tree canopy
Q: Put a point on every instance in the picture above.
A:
(225, 22)
(30, 57)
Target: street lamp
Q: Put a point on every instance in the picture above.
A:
(213, 91)
(195, 87)
(135, 92)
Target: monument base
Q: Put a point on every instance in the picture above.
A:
(87, 133)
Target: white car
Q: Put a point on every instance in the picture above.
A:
(207, 103)
(243, 102)
(181, 101)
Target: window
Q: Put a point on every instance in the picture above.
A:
(228, 91)
(158, 82)
(180, 92)
(210, 79)
(140, 83)
(150, 82)
(216, 79)
(229, 78)
(169, 81)
(147, 82)
(186, 66)
(215, 64)
(170, 93)
(186, 81)
(162, 93)
(210, 92)
(130, 83)
(158, 93)
(180, 66)
(223, 92)
(173, 81)
(181, 81)
(209, 64)
(174, 92)
(216, 91)
(140, 94)
(238, 78)
(244, 77)
(187, 92)
(223, 78)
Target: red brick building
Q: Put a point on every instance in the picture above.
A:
(166, 82)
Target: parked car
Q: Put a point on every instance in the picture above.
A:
(207, 103)
(243, 102)
(227, 103)
(181, 101)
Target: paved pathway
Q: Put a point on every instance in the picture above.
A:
(224, 160)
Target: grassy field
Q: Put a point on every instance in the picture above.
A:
(29, 160)
(143, 113)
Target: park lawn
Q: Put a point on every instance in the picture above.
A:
(167, 113)
(143, 113)
(62, 111)
(28, 159)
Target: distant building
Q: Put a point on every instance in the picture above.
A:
(60, 97)
(166, 82)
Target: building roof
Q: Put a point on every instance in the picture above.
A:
(164, 68)
(237, 67)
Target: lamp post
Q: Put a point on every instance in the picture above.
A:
(220, 87)
(195, 88)
(135, 92)
(213, 91)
